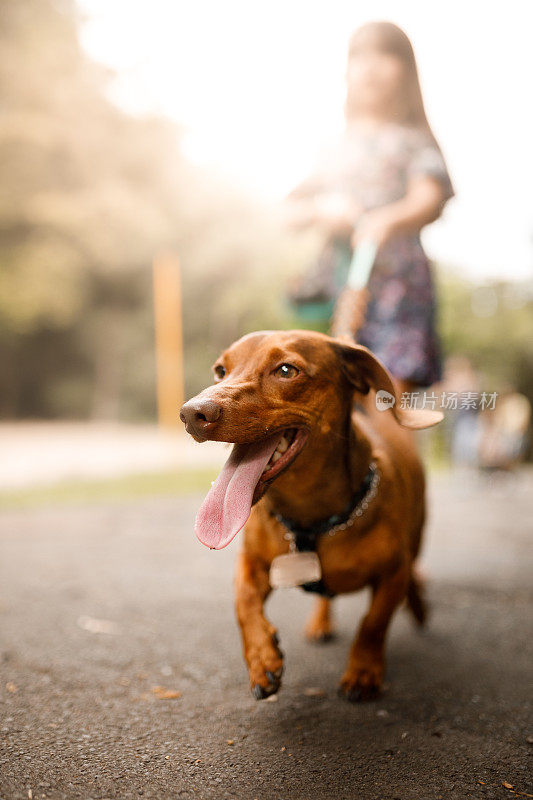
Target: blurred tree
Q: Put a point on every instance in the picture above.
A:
(492, 324)
(82, 201)
(89, 195)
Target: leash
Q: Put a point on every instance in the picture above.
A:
(361, 265)
(350, 309)
(305, 540)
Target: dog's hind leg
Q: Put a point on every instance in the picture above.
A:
(364, 673)
(416, 601)
(319, 626)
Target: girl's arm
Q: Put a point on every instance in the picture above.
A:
(422, 204)
(331, 213)
(316, 203)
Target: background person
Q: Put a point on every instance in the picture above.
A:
(384, 181)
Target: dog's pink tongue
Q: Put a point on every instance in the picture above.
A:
(229, 502)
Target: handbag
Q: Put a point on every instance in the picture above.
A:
(337, 280)
(314, 293)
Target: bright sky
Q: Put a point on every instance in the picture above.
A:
(259, 88)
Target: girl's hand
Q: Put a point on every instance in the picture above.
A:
(336, 213)
(377, 226)
(422, 204)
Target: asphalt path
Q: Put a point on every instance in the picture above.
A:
(121, 672)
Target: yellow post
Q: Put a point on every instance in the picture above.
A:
(168, 338)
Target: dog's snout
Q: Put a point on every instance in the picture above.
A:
(200, 415)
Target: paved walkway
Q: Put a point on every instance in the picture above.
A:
(38, 453)
(121, 674)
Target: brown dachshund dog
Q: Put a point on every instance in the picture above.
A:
(329, 485)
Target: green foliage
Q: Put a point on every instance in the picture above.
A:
(90, 194)
(492, 324)
(134, 486)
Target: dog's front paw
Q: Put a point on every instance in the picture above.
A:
(362, 682)
(265, 665)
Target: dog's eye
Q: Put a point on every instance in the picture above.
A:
(219, 371)
(286, 371)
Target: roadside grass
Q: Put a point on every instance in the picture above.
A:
(129, 487)
(168, 482)
(79, 491)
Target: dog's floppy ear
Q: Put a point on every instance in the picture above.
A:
(365, 371)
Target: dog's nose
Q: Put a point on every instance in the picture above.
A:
(200, 416)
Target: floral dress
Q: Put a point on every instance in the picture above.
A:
(374, 169)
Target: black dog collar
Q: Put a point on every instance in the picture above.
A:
(305, 539)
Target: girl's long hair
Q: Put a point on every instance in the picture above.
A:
(389, 38)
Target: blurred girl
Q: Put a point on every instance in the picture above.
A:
(384, 181)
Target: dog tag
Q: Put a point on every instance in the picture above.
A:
(293, 569)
